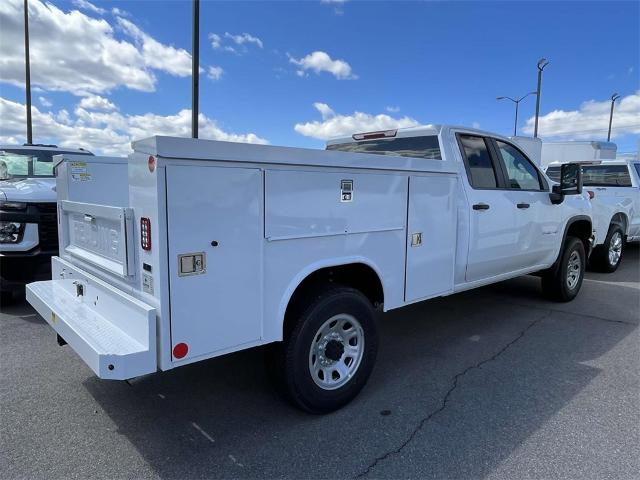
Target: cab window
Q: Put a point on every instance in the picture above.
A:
(480, 167)
(521, 173)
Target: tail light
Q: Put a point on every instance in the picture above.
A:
(145, 233)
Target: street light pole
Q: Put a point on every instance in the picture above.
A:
(27, 71)
(614, 97)
(195, 68)
(517, 102)
(543, 62)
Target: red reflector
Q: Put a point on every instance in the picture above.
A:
(152, 163)
(145, 233)
(180, 350)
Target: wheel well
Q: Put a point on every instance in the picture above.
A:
(581, 229)
(620, 219)
(355, 275)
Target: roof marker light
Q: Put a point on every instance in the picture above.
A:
(373, 135)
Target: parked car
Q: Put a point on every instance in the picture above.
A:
(227, 246)
(28, 227)
(615, 188)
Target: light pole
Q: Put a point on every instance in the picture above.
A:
(27, 71)
(614, 97)
(517, 102)
(543, 62)
(195, 68)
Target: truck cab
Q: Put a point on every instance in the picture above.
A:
(28, 226)
(614, 187)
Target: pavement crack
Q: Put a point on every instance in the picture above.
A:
(447, 396)
(573, 314)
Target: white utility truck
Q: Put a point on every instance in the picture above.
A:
(226, 246)
(614, 186)
(28, 225)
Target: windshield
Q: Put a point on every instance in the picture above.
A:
(598, 175)
(26, 163)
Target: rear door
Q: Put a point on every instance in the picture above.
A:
(494, 233)
(215, 258)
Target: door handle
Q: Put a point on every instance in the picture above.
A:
(481, 206)
(523, 205)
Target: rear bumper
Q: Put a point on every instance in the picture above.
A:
(20, 268)
(114, 333)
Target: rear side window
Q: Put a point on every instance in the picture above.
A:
(521, 174)
(606, 176)
(637, 165)
(419, 147)
(480, 167)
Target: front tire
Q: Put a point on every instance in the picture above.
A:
(329, 353)
(563, 283)
(606, 257)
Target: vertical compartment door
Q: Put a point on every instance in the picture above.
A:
(431, 237)
(215, 258)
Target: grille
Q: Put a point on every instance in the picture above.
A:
(48, 226)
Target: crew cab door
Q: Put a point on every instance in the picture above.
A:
(536, 219)
(493, 231)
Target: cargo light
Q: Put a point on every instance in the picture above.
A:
(145, 233)
(373, 135)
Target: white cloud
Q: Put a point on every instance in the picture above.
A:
(335, 125)
(221, 42)
(215, 73)
(244, 38)
(108, 133)
(96, 102)
(475, 125)
(44, 102)
(119, 12)
(319, 61)
(86, 5)
(392, 109)
(73, 52)
(176, 61)
(591, 120)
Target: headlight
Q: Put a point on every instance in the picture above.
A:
(11, 232)
(12, 205)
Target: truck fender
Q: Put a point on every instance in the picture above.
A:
(567, 227)
(314, 267)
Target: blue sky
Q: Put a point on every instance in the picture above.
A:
(393, 62)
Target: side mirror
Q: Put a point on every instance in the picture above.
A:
(570, 183)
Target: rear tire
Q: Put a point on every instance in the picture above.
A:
(329, 352)
(563, 283)
(607, 257)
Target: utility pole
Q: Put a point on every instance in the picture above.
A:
(614, 97)
(27, 70)
(195, 68)
(543, 62)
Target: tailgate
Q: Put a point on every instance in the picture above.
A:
(99, 234)
(114, 333)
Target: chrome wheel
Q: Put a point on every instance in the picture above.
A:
(574, 268)
(336, 351)
(615, 248)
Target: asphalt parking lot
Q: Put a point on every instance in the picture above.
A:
(491, 383)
